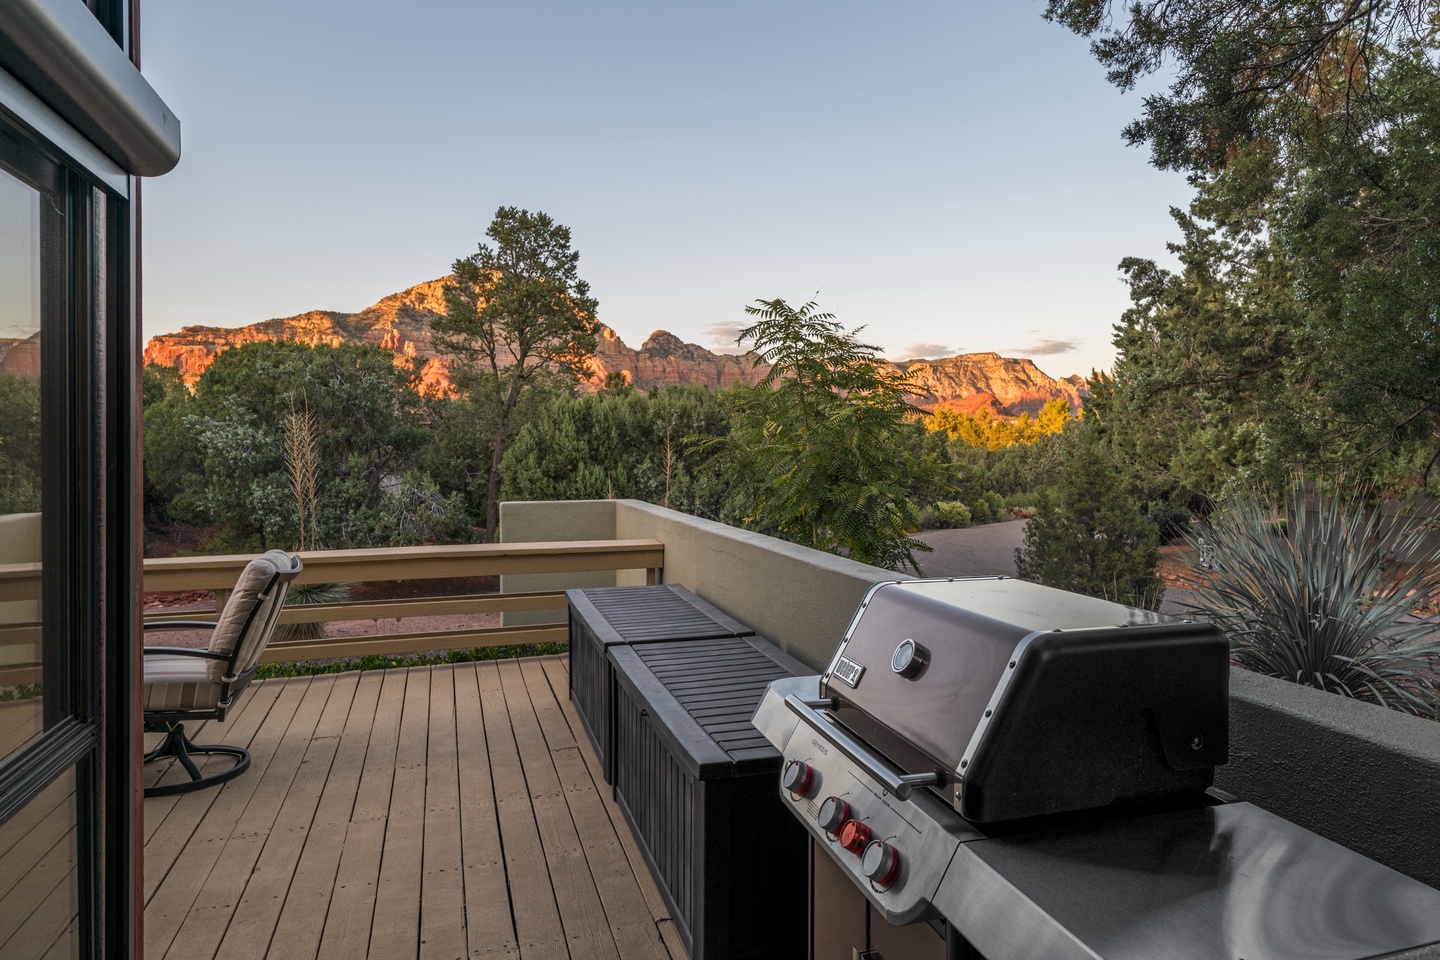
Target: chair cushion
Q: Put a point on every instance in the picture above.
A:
(249, 617)
(175, 682)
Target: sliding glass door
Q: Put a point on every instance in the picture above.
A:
(55, 237)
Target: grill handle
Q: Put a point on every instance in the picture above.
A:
(899, 785)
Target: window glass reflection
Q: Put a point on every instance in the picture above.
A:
(39, 880)
(27, 221)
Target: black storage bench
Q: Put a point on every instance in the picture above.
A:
(602, 617)
(699, 786)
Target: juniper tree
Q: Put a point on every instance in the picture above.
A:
(1090, 537)
(518, 318)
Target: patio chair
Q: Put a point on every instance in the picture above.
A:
(182, 684)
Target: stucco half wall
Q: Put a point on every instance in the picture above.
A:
(1358, 774)
(799, 598)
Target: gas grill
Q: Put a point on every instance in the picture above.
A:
(993, 768)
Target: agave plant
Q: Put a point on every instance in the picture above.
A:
(1328, 598)
(304, 594)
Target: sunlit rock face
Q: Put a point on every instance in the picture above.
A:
(1014, 384)
(666, 359)
(21, 358)
(400, 323)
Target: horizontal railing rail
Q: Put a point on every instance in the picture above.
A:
(22, 582)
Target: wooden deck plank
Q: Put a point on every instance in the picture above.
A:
(189, 840)
(164, 837)
(177, 902)
(442, 881)
(19, 721)
(235, 730)
(44, 925)
(631, 924)
(18, 828)
(307, 903)
(427, 813)
(208, 920)
(248, 936)
(532, 898)
(489, 926)
(669, 932)
(346, 935)
(395, 929)
(36, 871)
(587, 932)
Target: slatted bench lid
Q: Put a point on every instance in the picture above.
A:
(701, 694)
(651, 614)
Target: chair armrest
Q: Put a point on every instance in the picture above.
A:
(187, 652)
(181, 625)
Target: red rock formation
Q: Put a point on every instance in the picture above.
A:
(401, 323)
(665, 359)
(971, 405)
(21, 358)
(1015, 383)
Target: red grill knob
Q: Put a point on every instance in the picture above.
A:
(798, 778)
(881, 863)
(833, 814)
(854, 836)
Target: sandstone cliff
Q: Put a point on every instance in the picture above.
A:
(1014, 384)
(665, 359)
(401, 323)
(21, 358)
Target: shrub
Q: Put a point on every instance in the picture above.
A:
(381, 661)
(1171, 519)
(996, 503)
(980, 510)
(949, 514)
(1317, 598)
(1091, 538)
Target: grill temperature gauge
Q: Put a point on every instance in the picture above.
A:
(909, 659)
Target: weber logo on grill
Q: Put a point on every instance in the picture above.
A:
(848, 671)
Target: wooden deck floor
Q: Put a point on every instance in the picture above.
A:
(431, 812)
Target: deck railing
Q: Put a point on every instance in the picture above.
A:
(21, 583)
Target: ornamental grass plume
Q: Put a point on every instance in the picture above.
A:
(1328, 598)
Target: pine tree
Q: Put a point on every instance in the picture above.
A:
(1091, 537)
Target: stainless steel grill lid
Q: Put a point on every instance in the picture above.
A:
(1027, 700)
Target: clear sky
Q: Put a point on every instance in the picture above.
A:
(950, 175)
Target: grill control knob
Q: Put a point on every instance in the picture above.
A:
(854, 836)
(881, 864)
(833, 814)
(798, 778)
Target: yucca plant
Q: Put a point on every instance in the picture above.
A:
(305, 594)
(1327, 598)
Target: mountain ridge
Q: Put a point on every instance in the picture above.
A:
(400, 323)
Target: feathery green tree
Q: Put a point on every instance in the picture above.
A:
(829, 438)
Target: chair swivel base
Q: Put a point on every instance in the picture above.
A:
(178, 746)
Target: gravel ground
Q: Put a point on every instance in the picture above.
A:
(987, 550)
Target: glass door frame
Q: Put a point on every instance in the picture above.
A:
(90, 371)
